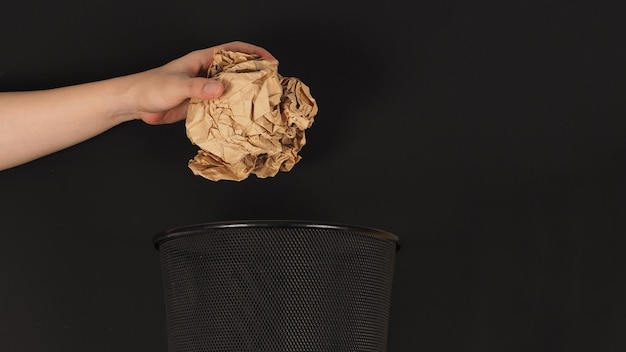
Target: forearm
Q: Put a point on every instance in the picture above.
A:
(37, 123)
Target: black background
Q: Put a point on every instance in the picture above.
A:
(489, 136)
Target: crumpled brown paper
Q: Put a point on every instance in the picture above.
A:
(256, 127)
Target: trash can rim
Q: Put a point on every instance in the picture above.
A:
(171, 233)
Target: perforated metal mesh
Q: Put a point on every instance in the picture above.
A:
(276, 287)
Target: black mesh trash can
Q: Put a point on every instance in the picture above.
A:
(276, 286)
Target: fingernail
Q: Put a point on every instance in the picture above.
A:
(213, 88)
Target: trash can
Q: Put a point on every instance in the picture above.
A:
(276, 286)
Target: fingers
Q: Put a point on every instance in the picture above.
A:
(247, 48)
(185, 78)
(198, 62)
(212, 89)
(201, 88)
(205, 88)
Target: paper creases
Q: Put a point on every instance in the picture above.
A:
(256, 127)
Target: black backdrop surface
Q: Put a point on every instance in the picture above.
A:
(489, 137)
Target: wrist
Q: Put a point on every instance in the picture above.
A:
(122, 99)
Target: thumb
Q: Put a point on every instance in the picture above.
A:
(206, 88)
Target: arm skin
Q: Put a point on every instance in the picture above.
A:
(37, 123)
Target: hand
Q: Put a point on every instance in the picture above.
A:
(161, 95)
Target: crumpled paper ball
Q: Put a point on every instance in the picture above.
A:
(256, 127)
